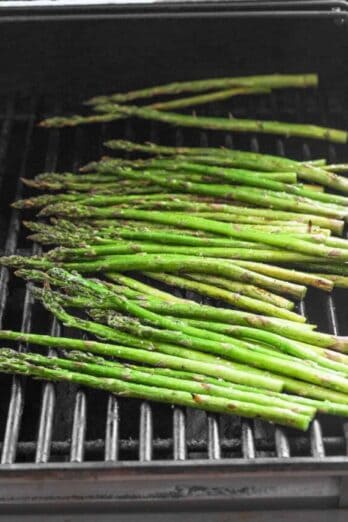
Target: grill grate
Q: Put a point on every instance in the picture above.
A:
(60, 423)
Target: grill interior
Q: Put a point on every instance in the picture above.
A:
(63, 423)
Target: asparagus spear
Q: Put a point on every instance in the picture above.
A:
(281, 347)
(277, 240)
(234, 287)
(110, 115)
(190, 309)
(236, 299)
(166, 395)
(123, 247)
(250, 160)
(226, 316)
(187, 334)
(291, 347)
(325, 268)
(250, 195)
(289, 274)
(337, 280)
(242, 159)
(245, 177)
(243, 288)
(323, 406)
(147, 356)
(205, 341)
(340, 167)
(201, 99)
(165, 263)
(49, 300)
(267, 197)
(94, 327)
(233, 124)
(272, 81)
(100, 367)
(97, 199)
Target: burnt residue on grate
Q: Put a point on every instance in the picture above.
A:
(45, 422)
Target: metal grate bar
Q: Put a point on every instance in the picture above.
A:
(112, 425)
(80, 408)
(261, 429)
(48, 403)
(17, 393)
(248, 443)
(315, 433)
(15, 410)
(79, 428)
(145, 433)
(179, 434)
(281, 443)
(214, 446)
(44, 438)
(316, 439)
(112, 430)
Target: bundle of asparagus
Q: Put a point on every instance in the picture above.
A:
(108, 108)
(250, 230)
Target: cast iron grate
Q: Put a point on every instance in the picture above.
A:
(61, 423)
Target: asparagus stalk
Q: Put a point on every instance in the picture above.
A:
(93, 199)
(123, 247)
(168, 236)
(340, 167)
(191, 309)
(308, 337)
(323, 406)
(110, 115)
(226, 317)
(272, 81)
(201, 99)
(245, 289)
(242, 159)
(291, 347)
(235, 287)
(187, 335)
(236, 299)
(318, 281)
(166, 395)
(104, 332)
(149, 357)
(266, 197)
(185, 308)
(100, 367)
(337, 280)
(327, 268)
(250, 195)
(140, 287)
(222, 156)
(282, 241)
(165, 263)
(234, 124)
(237, 352)
(53, 235)
(254, 179)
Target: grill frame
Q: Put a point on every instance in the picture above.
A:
(253, 482)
